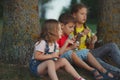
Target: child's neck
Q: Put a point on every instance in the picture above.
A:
(79, 25)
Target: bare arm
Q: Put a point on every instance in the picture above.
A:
(40, 56)
(93, 41)
(65, 47)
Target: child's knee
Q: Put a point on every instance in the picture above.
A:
(63, 60)
(50, 62)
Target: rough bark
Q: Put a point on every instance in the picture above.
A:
(20, 27)
(109, 24)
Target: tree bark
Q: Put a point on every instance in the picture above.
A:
(20, 28)
(109, 24)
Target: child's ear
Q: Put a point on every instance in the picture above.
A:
(62, 25)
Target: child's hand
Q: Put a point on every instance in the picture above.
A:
(75, 45)
(94, 39)
(86, 31)
(55, 55)
(70, 41)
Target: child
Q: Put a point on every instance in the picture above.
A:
(67, 24)
(79, 12)
(45, 58)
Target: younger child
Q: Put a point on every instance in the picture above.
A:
(45, 59)
(67, 24)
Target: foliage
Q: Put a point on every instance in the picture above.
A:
(67, 10)
(1, 8)
(93, 8)
(44, 1)
(1, 25)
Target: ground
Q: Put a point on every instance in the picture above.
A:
(18, 72)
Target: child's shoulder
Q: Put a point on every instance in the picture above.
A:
(40, 42)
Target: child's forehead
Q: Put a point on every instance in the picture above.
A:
(70, 24)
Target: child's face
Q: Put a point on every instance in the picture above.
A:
(81, 15)
(68, 28)
(60, 31)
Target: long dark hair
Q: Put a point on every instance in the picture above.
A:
(75, 8)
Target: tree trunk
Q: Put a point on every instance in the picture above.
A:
(20, 27)
(109, 24)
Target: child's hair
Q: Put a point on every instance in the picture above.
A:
(49, 31)
(65, 18)
(76, 7)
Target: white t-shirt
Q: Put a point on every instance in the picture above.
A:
(41, 46)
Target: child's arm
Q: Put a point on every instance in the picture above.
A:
(40, 55)
(92, 42)
(65, 47)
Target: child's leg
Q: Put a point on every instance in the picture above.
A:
(91, 59)
(62, 62)
(48, 67)
(80, 62)
(76, 57)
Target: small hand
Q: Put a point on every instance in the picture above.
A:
(55, 55)
(86, 31)
(94, 39)
(70, 41)
(75, 45)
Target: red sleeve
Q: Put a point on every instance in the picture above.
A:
(59, 43)
(62, 41)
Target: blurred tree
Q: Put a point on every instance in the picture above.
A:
(1, 8)
(91, 4)
(93, 8)
(42, 8)
(21, 26)
(67, 10)
(109, 23)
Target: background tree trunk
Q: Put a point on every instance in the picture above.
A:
(20, 27)
(109, 24)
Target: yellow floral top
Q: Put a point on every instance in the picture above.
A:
(83, 39)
